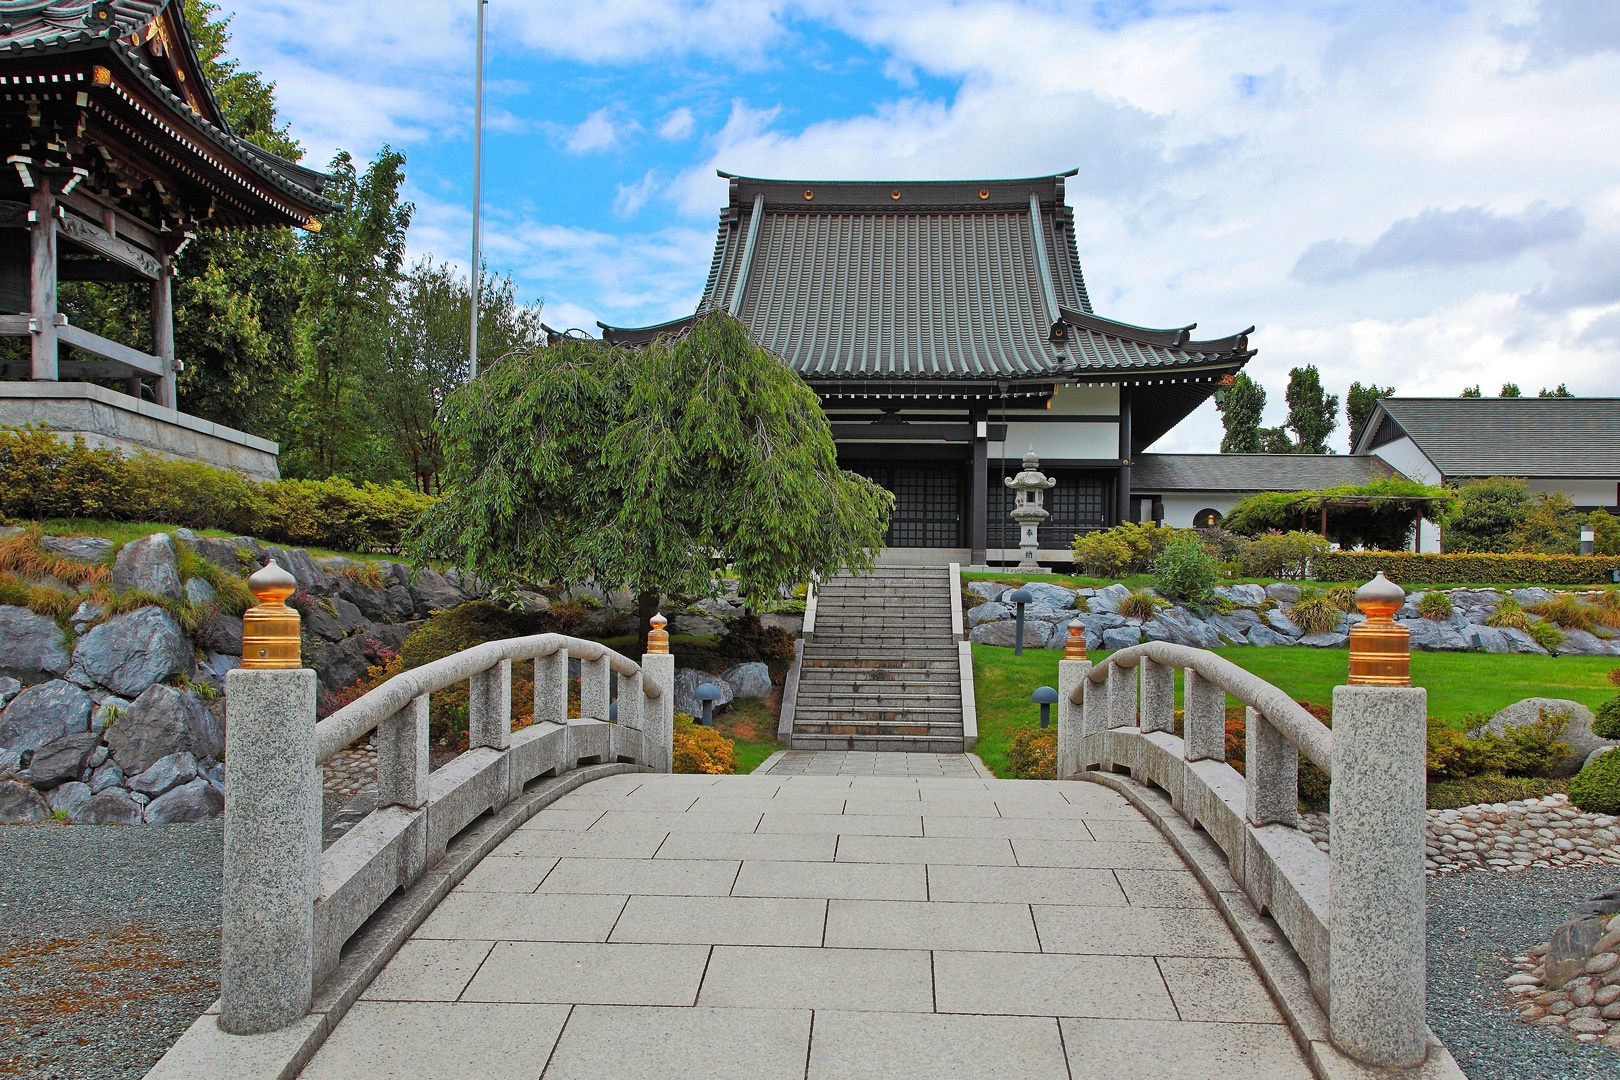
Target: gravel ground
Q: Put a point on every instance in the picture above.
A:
(109, 945)
(1477, 923)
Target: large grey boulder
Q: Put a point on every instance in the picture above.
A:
(340, 664)
(1096, 622)
(1121, 638)
(372, 603)
(9, 688)
(106, 714)
(1265, 635)
(1283, 625)
(990, 611)
(314, 617)
(199, 591)
(107, 775)
(115, 806)
(1475, 605)
(349, 617)
(165, 774)
(89, 549)
(10, 763)
(1246, 595)
(1283, 593)
(1324, 639)
(43, 713)
(1108, 599)
(149, 565)
(687, 680)
(1500, 639)
(697, 624)
(1233, 628)
(432, 591)
(1055, 597)
(401, 605)
(21, 804)
(994, 633)
(220, 633)
(31, 647)
(752, 680)
(990, 590)
(1578, 732)
(70, 798)
(1180, 626)
(130, 652)
(1581, 643)
(1529, 598)
(297, 562)
(223, 553)
(1427, 635)
(161, 722)
(62, 760)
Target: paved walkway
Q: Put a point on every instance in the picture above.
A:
(821, 927)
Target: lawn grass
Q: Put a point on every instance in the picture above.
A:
(751, 725)
(1459, 684)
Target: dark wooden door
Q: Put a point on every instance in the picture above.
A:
(928, 510)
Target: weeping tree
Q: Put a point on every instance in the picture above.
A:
(641, 468)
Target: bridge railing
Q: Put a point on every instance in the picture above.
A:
(289, 907)
(1354, 916)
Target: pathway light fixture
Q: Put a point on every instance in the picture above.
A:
(1588, 539)
(1045, 697)
(1020, 597)
(708, 693)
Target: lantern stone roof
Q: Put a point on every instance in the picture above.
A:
(132, 65)
(950, 282)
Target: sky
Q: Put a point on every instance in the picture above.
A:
(1422, 194)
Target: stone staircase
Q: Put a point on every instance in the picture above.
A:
(881, 671)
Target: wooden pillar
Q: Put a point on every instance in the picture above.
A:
(163, 332)
(42, 280)
(979, 490)
(1125, 513)
(1324, 521)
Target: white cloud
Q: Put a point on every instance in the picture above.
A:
(596, 132)
(632, 197)
(677, 125)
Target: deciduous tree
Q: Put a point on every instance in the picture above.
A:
(1242, 404)
(1312, 414)
(1359, 403)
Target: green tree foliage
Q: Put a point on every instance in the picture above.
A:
(1378, 514)
(1312, 414)
(637, 467)
(1502, 514)
(354, 268)
(1559, 391)
(423, 358)
(1242, 404)
(1471, 391)
(1359, 403)
(1509, 390)
(1184, 570)
(1606, 533)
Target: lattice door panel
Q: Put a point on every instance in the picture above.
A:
(927, 504)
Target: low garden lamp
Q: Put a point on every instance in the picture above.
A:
(1020, 597)
(708, 693)
(1588, 539)
(1045, 697)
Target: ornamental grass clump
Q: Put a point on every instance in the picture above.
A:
(1546, 635)
(1342, 597)
(1141, 604)
(1435, 605)
(1608, 608)
(1509, 616)
(1568, 613)
(1316, 614)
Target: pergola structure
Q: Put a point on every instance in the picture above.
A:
(116, 154)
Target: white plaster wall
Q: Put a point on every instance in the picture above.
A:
(1060, 441)
(1404, 456)
(1581, 492)
(1072, 400)
(1180, 507)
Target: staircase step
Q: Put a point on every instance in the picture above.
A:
(890, 743)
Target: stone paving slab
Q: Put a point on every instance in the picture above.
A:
(826, 921)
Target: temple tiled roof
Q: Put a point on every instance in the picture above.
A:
(939, 280)
(1552, 438)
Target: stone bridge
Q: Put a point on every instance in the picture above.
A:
(555, 903)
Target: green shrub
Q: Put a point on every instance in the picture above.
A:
(1606, 721)
(1453, 794)
(1597, 788)
(1606, 530)
(1534, 750)
(1435, 605)
(1141, 604)
(1315, 614)
(746, 638)
(1281, 555)
(1546, 635)
(1033, 755)
(1184, 570)
(1510, 615)
(700, 749)
(1409, 567)
(1486, 514)
(42, 476)
(1377, 514)
(1123, 550)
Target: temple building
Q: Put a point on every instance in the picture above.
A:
(117, 154)
(946, 328)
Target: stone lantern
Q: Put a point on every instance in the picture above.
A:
(1028, 488)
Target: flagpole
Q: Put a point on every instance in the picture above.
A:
(478, 182)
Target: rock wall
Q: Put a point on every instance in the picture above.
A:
(121, 720)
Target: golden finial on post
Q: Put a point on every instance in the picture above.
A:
(1380, 648)
(270, 630)
(658, 637)
(1075, 647)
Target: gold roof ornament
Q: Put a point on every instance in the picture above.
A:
(1075, 647)
(270, 637)
(658, 637)
(1380, 648)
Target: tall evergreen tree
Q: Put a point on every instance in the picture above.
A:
(1471, 391)
(1312, 414)
(1561, 390)
(1359, 403)
(1509, 390)
(1241, 405)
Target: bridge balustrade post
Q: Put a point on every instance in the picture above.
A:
(1121, 696)
(1158, 697)
(1071, 717)
(1270, 773)
(632, 703)
(272, 821)
(658, 724)
(594, 676)
(402, 757)
(1094, 706)
(551, 688)
(1376, 896)
(489, 707)
(1203, 718)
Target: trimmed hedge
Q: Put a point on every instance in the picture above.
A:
(1597, 788)
(1464, 569)
(43, 476)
